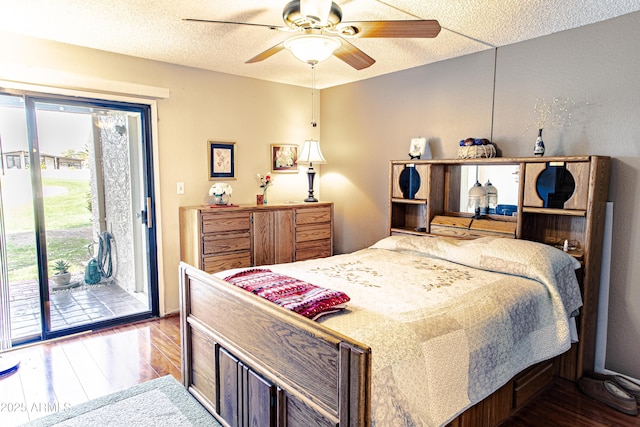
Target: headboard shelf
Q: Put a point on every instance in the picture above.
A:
(409, 201)
(544, 199)
(408, 230)
(551, 211)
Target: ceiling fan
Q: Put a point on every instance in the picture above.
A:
(321, 33)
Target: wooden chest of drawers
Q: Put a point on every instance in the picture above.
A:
(215, 239)
(314, 232)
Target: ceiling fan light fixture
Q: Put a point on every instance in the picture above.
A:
(312, 48)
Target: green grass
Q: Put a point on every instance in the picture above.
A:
(65, 211)
(21, 261)
(61, 211)
(22, 264)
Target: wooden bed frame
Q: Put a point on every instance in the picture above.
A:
(250, 362)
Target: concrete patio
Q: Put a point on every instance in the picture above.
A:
(69, 307)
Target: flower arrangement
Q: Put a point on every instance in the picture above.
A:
(554, 113)
(546, 114)
(265, 181)
(220, 188)
(220, 194)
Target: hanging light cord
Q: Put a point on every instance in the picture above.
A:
(313, 90)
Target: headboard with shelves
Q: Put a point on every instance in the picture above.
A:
(558, 199)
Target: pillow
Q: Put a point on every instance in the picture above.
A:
(304, 298)
(538, 261)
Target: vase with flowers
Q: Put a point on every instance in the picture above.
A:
(220, 194)
(554, 113)
(265, 183)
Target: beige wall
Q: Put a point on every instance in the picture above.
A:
(201, 105)
(368, 123)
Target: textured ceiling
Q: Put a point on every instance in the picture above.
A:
(155, 30)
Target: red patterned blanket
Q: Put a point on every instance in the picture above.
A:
(296, 295)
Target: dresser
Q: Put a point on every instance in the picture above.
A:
(220, 238)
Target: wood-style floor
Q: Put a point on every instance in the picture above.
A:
(52, 376)
(58, 374)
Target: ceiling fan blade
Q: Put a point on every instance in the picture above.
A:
(353, 56)
(428, 28)
(271, 27)
(266, 54)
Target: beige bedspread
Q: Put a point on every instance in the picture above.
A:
(446, 334)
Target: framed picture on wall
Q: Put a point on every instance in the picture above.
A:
(284, 158)
(222, 160)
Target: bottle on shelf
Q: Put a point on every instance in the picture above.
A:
(539, 148)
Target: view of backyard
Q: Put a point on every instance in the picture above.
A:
(67, 221)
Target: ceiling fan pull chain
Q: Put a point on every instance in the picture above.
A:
(313, 89)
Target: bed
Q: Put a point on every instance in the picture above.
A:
(434, 326)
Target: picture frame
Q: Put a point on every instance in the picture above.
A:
(222, 160)
(419, 148)
(284, 158)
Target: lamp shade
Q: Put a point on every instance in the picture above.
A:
(492, 194)
(312, 48)
(311, 153)
(477, 196)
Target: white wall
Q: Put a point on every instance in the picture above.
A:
(368, 123)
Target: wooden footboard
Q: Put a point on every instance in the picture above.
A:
(250, 362)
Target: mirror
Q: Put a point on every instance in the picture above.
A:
(503, 177)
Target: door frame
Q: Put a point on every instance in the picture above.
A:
(149, 152)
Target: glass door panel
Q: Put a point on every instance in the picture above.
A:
(93, 193)
(19, 255)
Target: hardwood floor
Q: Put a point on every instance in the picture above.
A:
(53, 376)
(563, 405)
(56, 375)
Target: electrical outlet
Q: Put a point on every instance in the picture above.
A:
(180, 187)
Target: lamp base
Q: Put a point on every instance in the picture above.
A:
(478, 215)
(311, 174)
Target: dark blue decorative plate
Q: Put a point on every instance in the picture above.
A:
(409, 182)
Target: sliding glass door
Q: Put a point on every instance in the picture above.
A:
(77, 209)
(19, 284)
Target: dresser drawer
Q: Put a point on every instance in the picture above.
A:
(308, 233)
(313, 215)
(215, 263)
(313, 249)
(225, 242)
(215, 222)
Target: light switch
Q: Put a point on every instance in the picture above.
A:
(180, 187)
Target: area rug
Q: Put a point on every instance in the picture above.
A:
(160, 402)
